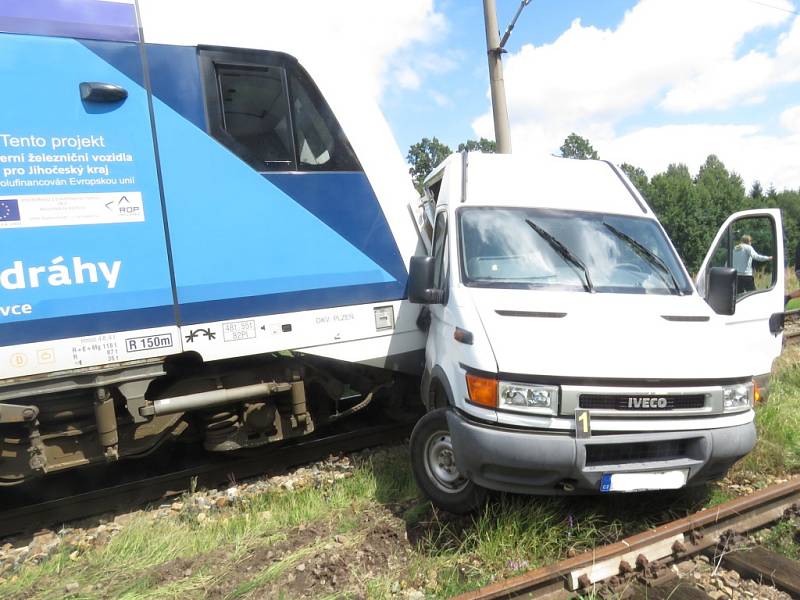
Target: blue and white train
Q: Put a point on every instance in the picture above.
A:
(176, 213)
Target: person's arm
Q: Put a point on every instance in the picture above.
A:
(757, 256)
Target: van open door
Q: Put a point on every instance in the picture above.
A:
(751, 242)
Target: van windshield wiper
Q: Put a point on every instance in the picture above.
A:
(653, 259)
(564, 252)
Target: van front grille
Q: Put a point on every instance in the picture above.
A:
(646, 403)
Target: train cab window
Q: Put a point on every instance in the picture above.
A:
(265, 108)
(255, 112)
(321, 144)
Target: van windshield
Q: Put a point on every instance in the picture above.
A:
(536, 248)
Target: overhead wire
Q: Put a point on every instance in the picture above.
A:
(772, 6)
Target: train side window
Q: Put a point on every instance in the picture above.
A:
(255, 113)
(267, 110)
(320, 141)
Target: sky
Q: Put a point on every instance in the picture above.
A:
(648, 82)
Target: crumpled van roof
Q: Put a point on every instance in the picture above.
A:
(550, 182)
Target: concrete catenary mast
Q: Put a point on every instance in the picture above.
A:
(495, 49)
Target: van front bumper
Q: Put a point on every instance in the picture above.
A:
(537, 462)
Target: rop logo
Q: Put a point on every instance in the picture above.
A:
(124, 207)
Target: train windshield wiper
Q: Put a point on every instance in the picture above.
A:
(564, 253)
(653, 259)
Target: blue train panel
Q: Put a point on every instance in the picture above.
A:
(248, 241)
(83, 245)
(215, 186)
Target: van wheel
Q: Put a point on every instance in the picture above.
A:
(434, 467)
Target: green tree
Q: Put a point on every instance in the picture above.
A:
(692, 209)
(720, 190)
(772, 193)
(637, 176)
(683, 212)
(756, 191)
(482, 145)
(789, 203)
(575, 146)
(423, 157)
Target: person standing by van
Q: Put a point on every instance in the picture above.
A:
(743, 256)
(795, 293)
(797, 261)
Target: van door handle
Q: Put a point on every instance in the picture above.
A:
(93, 91)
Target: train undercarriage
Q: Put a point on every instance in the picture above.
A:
(111, 414)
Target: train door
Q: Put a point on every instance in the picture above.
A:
(84, 269)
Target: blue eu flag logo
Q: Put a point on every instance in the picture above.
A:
(9, 210)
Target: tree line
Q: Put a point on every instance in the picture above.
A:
(692, 207)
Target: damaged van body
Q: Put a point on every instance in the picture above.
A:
(569, 350)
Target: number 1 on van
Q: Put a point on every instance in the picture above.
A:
(583, 425)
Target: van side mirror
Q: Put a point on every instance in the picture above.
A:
(420, 281)
(721, 290)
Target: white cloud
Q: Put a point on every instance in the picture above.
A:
(788, 53)
(359, 39)
(439, 63)
(679, 56)
(440, 99)
(790, 119)
(407, 78)
(725, 81)
(743, 148)
(728, 83)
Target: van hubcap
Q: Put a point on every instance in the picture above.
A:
(440, 463)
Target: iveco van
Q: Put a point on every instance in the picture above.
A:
(569, 349)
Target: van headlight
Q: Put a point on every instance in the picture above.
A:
(737, 397)
(521, 397)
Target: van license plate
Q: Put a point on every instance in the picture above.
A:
(639, 482)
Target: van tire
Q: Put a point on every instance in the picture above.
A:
(435, 472)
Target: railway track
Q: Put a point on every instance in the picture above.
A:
(791, 332)
(29, 510)
(638, 566)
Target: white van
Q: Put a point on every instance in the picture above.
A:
(569, 350)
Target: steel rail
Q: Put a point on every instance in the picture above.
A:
(698, 531)
(791, 335)
(213, 472)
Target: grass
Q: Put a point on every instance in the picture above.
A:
(515, 533)
(123, 565)
(792, 284)
(763, 280)
(778, 422)
(445, 555)
(784, 538)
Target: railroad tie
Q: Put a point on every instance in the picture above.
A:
(766, 567)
